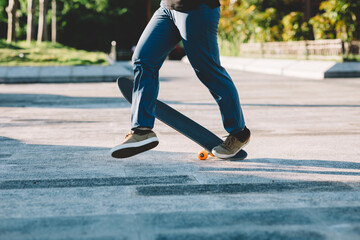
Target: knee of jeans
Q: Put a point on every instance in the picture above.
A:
(142, 64)
(137, 64)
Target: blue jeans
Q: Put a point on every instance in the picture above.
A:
(198, 31)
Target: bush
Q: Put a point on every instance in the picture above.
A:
(340, 19)
(259, 20)
(295, 27)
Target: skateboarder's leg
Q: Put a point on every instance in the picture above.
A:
(158, 39)
(198, 30)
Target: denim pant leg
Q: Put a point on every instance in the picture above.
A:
(198, 30)
(158, 39)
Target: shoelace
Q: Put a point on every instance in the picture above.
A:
(130, 133)
(228, 142)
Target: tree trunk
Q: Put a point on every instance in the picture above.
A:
(53, 22)
(308, 12)
(30, 20)
(42, 29)
(46, 32)
(11, 11)
(148, 10)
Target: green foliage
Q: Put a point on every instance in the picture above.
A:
(46, 53)
(340, 19)
(323, 27)
(88, 24)
(266, 26)
(4, 44)
(295, 27)
(229, 47)
(93, 24)
(3, 18)
(254, 20)
(283, 20)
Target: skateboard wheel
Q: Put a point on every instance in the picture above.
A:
(203, 155)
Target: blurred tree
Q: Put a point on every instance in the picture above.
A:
(42, 25)
(267, 20)
(3, 18)
(267, 26)
(295, 27)
(53, 21)
(85, 24)
(148, 10)
(12, 19)
(30, 20)
(94, 24)
(323, 27)
(250, 20)
(340, 19)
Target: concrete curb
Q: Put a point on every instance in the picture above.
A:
(293, 68)
(63, 74)
(290, 68)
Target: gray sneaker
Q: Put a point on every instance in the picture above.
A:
(232, 145)
(135, 142)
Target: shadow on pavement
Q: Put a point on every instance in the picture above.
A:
(266, 105)
(59, 166)
(52, 161)
(278, 165)
(60, 101)
(303, 105)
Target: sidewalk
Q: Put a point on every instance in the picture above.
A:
(293, 68)
(290, 68)
(61, 74)
(301, 179)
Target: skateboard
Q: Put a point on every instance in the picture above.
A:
(180, 123)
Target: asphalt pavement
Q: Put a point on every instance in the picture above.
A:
(301, 179)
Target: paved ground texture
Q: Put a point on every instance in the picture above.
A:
(301, 179)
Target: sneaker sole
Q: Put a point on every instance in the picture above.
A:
(131, 149)
(223, 156)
